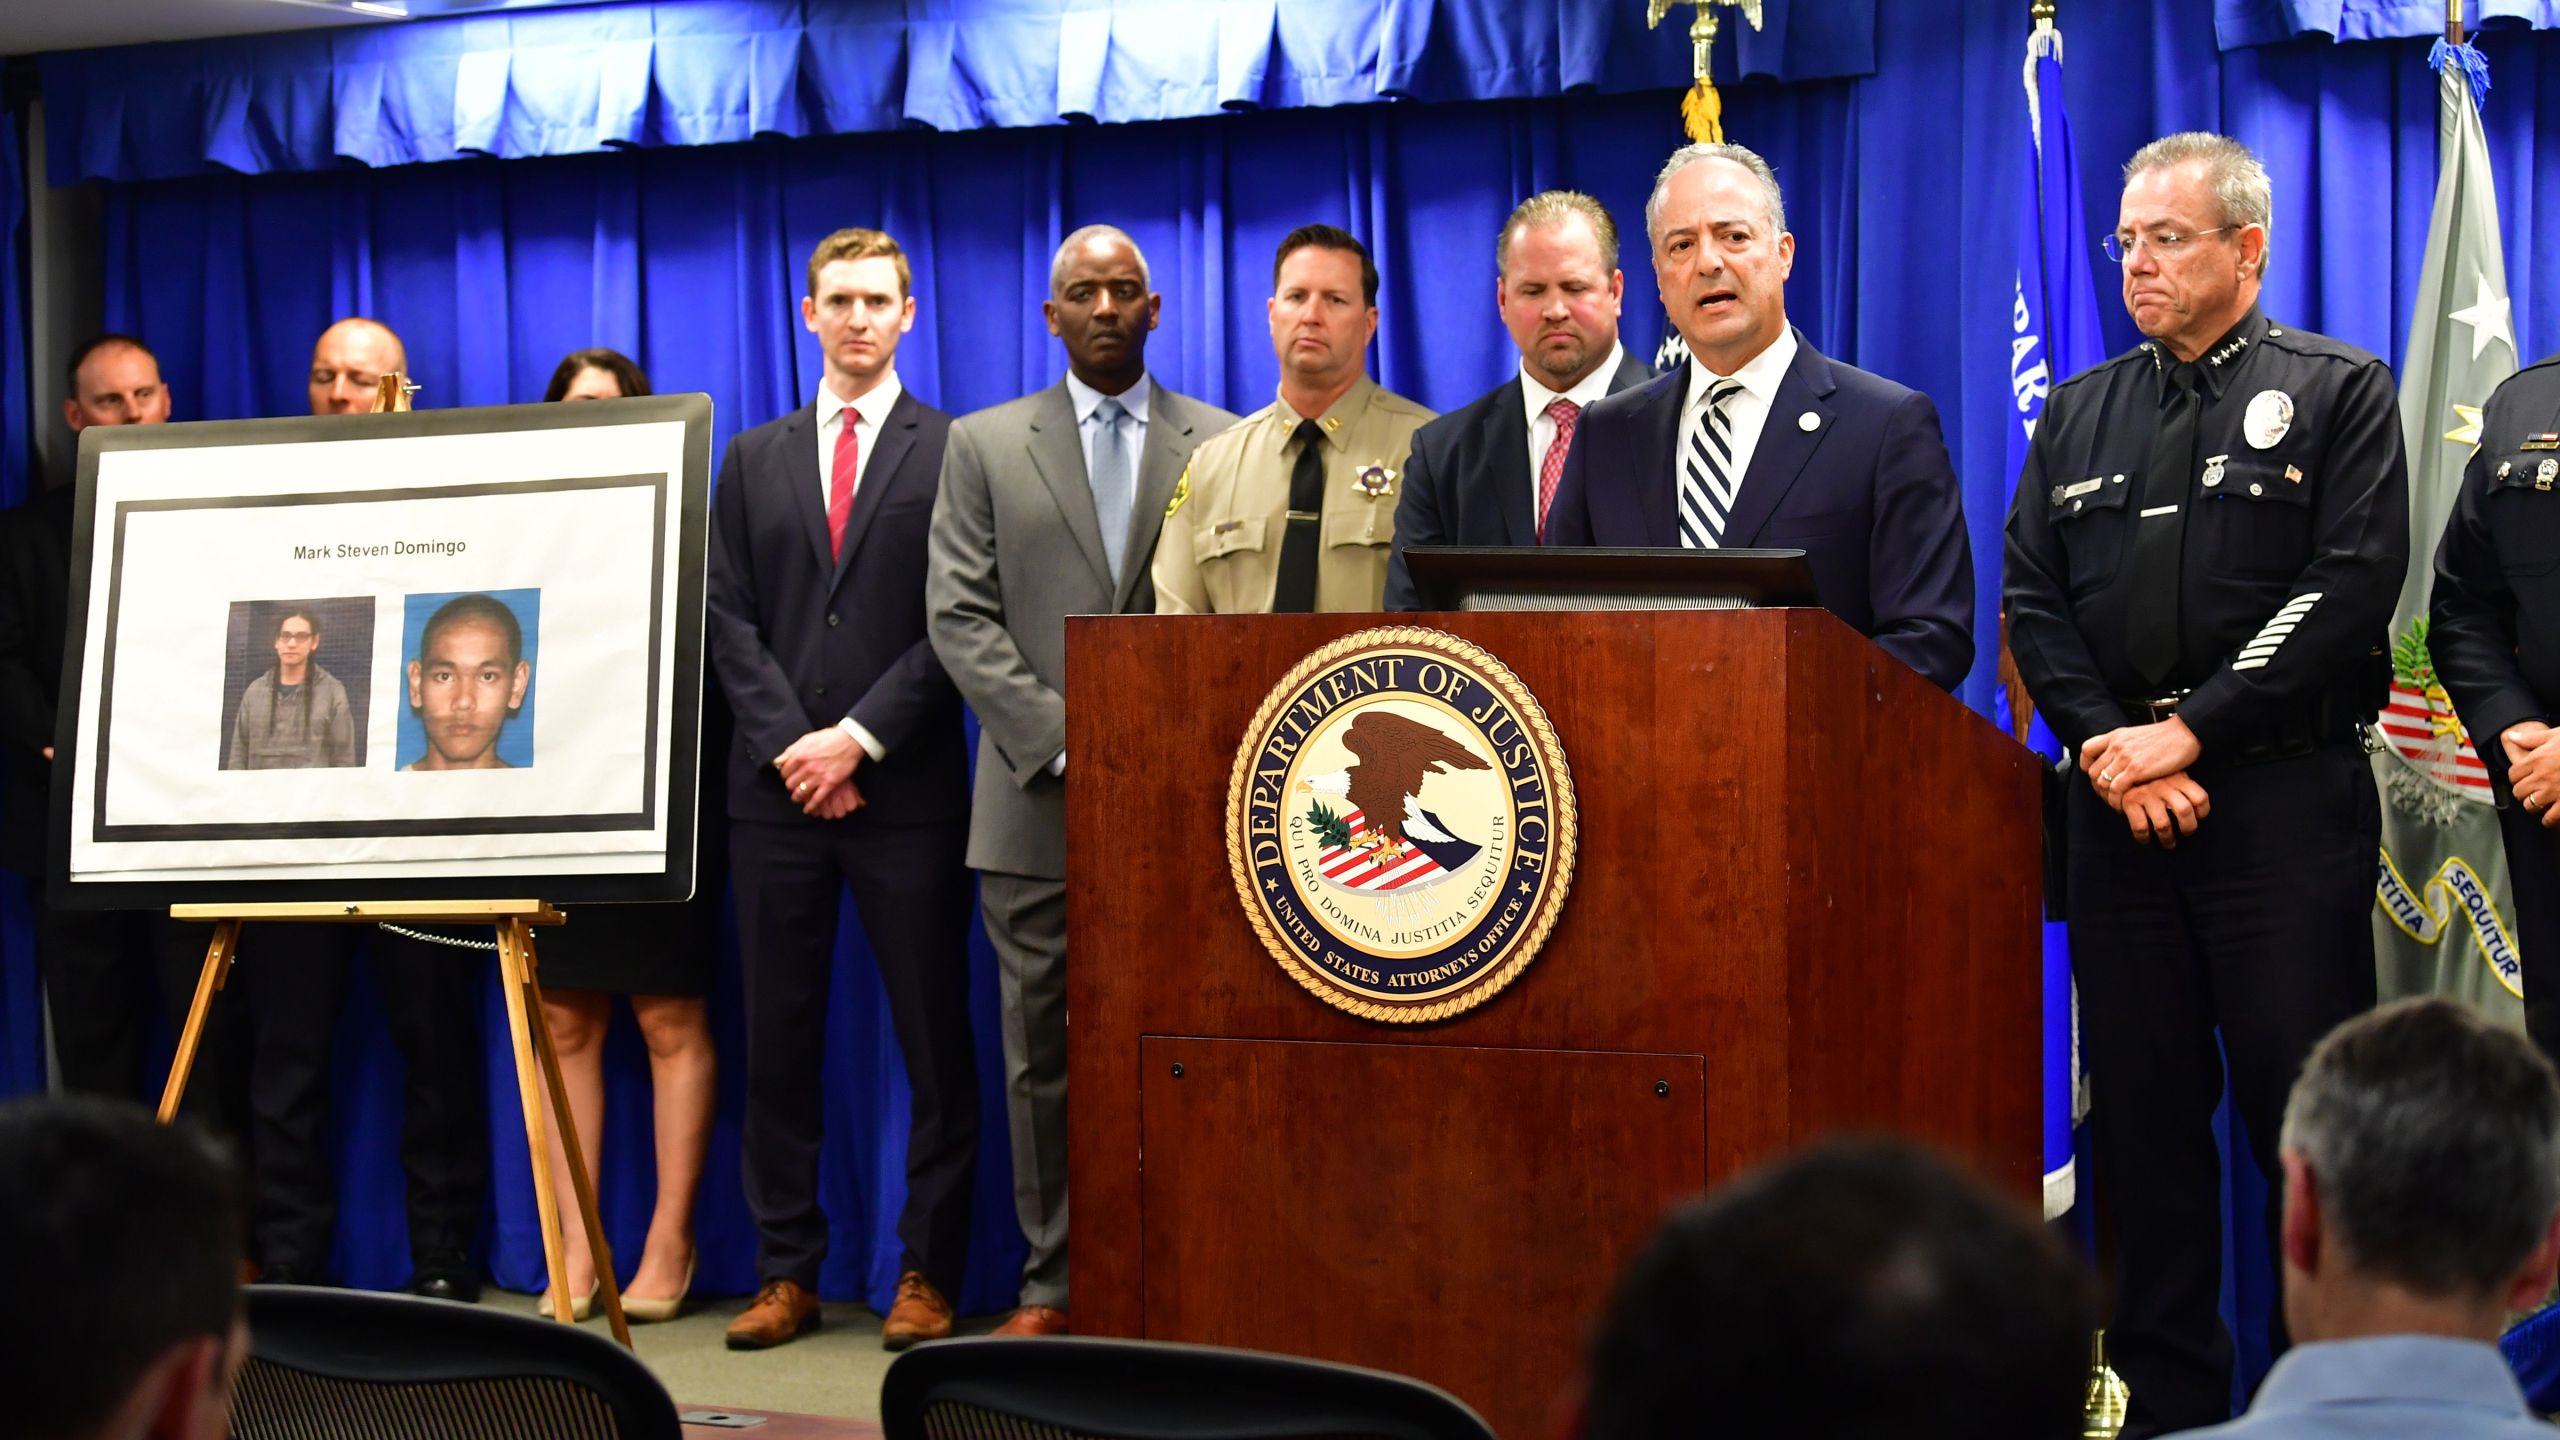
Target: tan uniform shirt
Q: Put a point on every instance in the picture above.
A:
(1220, 552)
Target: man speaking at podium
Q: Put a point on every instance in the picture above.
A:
(1761, 442)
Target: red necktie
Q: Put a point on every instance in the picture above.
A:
(840, 481)
(1551, 470)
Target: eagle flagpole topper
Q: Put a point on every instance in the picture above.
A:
(1702, 110)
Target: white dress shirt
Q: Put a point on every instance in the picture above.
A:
(1542, 430)
(1746, 412)
(868, 412)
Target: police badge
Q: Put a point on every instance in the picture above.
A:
(2270, 415)
(1375, 481)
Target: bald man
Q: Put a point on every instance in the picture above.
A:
(99, 967)
(296, 976)
(350, 356)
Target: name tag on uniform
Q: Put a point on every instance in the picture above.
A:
(2544, 441)
(2074, 492)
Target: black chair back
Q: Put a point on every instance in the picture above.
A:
(355, 1365)
(1062, 1388)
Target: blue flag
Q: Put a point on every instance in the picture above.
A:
(2053, 335)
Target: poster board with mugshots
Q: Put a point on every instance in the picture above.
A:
(433, 655)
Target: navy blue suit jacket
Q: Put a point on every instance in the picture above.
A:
(1467, 479)
(802, 640)
(1868, 494)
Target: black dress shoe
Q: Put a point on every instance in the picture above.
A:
(446, 1278)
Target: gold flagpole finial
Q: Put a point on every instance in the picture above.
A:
(1702, 110)
(2102, 1406)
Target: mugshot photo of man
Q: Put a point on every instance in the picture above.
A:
(468, 678)
(295, 716)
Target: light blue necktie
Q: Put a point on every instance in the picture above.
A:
(1113, 489)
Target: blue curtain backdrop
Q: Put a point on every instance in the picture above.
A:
(1903, 188)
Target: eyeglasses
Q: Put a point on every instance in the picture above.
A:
(2163, 244)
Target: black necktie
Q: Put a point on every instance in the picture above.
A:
(2151, 620)
(1296, 592)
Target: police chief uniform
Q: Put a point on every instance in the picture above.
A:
(1232, 533)
(2224, 541)
(2493, 631)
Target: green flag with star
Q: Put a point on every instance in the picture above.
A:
(2443, 918)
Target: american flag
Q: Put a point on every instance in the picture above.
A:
(1356, 868)
(2413, 724)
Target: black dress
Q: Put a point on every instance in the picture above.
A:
(655, 949)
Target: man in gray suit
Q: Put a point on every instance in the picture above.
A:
(1049, 507)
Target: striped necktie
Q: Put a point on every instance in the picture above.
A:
(1707, 473)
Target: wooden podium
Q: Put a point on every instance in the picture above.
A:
(1806, 901)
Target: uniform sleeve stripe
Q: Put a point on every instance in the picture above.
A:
(2262, 647)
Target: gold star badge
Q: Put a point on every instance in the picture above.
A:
(2468, 431)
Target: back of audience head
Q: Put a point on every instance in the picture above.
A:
(2421, 1154)
(1861, 1288)
(597, 374)
(113, 380)
(121, 1241)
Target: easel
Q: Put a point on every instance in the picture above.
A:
(537, 1058)
(527, 1026)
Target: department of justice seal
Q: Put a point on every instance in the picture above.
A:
(1400, 824)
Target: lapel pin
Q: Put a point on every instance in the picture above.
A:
(1808, 422)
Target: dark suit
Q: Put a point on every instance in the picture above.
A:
(103, 971)
(1868, 494)
(1468, 480)
(802, 641)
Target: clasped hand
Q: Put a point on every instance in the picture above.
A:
(2141, 772)
(818, 770)
(2533, 769)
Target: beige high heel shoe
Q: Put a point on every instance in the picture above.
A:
(579, 1309)
(652, 1312)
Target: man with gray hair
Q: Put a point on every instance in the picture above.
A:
(2206, 544)
(1049, 507)
(2421, 1157)
(1761, 441)
(1487, 474)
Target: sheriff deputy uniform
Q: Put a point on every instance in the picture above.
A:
(1283, 514)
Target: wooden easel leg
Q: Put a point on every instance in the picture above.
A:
(548, 1053)
(217, 970)
(511, 972)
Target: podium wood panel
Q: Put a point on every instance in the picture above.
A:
(1799, 861)
(1345, 1212)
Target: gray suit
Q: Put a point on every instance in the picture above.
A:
(1016, 549)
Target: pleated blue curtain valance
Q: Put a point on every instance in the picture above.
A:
(2269, 22)
(706, 72)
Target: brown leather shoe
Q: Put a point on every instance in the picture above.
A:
(783, 1312)
(1034, 1320)
(919, 1314)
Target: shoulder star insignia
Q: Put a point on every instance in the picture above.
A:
(2467, 430)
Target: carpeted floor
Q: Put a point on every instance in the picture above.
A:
(833, 1370)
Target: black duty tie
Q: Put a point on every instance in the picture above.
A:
(1296, 592)
(2151, 620)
